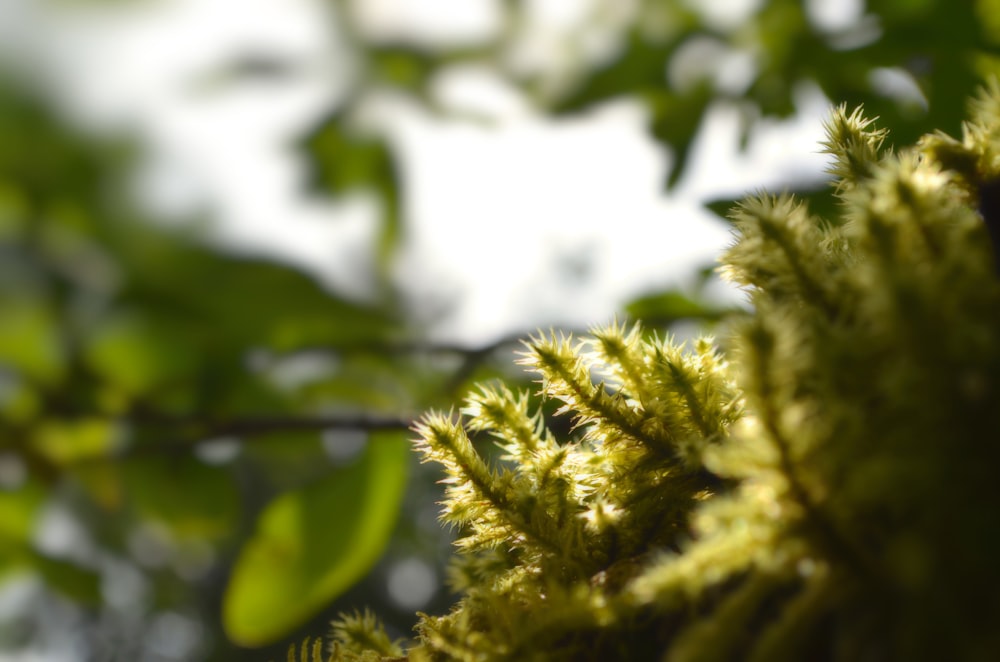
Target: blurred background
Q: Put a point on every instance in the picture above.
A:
(244, 244)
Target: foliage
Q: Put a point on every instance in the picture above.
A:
(679, 59)
(171, 397)
(358, 638)
(150, 408)
(314, 543)
(822, 489)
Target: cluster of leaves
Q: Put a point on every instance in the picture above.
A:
(677, 59)
(171, 399)
(827, 494)
(174, 398)
(125, 376)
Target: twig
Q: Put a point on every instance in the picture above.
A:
(200, 431)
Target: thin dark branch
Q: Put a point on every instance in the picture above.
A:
(184, 434)
(255, 426)
(412, 347)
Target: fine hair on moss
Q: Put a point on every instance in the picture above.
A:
(818, 484)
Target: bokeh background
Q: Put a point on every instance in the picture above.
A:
(244, 244)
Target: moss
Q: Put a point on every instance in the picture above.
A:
(823, 489)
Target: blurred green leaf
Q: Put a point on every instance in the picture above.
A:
(347, 160)
(639, 67)
(29, 340)
(102, 482)
(665, 308)
(265, 303)
(191, 499)
(409, 68)
(136, 354)
(344, 161)
(675, 123)
(313, 543)
(18, 510)
(721, 207)
(79, 583)
(113, 326)
(65, 442)
(75, 582)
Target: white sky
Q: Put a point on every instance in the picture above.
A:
(496, 216)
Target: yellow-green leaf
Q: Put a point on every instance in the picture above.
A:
(18, 512)
(137, 355)
(30, 342)
(79, 583)
(64, 442)
(313, 543)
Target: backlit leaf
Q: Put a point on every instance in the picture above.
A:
(664, 308)
(313, 543)
(64, 442)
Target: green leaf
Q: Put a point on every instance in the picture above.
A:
(18, 559)
(190, 498)
(313, 543)
(29, 340)
(664, 308)
(345, 161)
(80, 584)
(18, 512)
(133, 353)
(64, 442)
(721, 207)
(675, 123)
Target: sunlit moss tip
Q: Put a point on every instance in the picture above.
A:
(818, 485)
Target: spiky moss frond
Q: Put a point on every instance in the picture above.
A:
(359, 634)
(575, 519)
(829, 493)
(855, 145)
(873, 415)
(783, 250)
(308, 652)
(975, 159)
(507, 417)
(606, 416)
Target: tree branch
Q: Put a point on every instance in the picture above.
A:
(197, 431)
